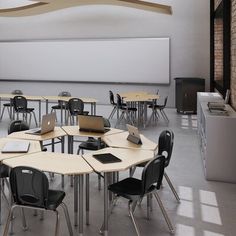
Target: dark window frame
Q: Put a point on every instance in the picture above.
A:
(223, 10)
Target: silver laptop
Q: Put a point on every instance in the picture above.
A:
(48, 125)
(134, 135)
(16, 147)
(92, 124)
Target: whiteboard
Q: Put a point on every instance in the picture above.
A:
(124, 60)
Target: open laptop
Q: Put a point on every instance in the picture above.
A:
(134, 135)
(16, 147)
(48, 124)
(92, 124)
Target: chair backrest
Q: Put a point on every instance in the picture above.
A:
(165, 145)
(17, 92)
(165, 101)
(64, 94)
(153, 173)
(17, 125)
(111, 96)
(76, 106)
(29, 186)
(106, 122)
(19, 103)
(119, 101)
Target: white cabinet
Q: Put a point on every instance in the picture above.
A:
(217, 139)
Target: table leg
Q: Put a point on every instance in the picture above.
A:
(105, 232)
(53, 144)
(62, 150)
(0, 201)
(46, 106)
(70, 151)
(81, 183)
(76, 200)
(87, 199)
(39, 112)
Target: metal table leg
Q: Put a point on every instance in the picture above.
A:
(105, 232)
(81, 183)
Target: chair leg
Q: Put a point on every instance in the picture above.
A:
(57, 223)
(2, 112)
(148, 206)
(164, 115)
(29, 119)
(5, 233)
(35, 119)
(68, 222)
(172, 187)
(131, 171)
(112, 113)
(24, 225)
(164, 213)
(132, 217)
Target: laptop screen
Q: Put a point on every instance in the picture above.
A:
(91, 123)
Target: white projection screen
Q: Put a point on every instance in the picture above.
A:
(121, 60)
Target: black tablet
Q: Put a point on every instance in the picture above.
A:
(106, 158)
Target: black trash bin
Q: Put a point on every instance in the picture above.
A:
(186, 94)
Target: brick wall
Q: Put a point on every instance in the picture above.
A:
(233, 54)
(218, 65)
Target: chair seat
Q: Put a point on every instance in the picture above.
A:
(76, 113)
(55, 197)
(129, 108)
(7, 104)
(92, 144)
(142, 164)
(129, 188)
(28, 110)
(59, 107)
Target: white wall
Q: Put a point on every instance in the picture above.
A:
(188, 29)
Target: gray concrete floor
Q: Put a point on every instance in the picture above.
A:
(206, 208)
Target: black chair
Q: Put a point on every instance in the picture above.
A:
(135, 189)
(10, 104)
(61, 105)
(75, 108)
(20, 105)
(113, 103)
(92, 144)
(156, 107)
(30, 189)
(15, 126)
(165, 147)
(127, 113)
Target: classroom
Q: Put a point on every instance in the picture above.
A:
(117, 117)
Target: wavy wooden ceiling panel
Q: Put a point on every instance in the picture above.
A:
(45, 6)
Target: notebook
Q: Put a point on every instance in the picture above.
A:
(16, 147)
(92, 124)
(134, 135)
(106, 158)
(48, 125)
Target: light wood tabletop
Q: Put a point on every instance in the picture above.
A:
(129, 158)
(60, 163)
(73, 130)
(66, 99)
(119, 140)
(57, 132)
(34, 147)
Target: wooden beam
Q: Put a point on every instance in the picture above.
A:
(45, 6)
